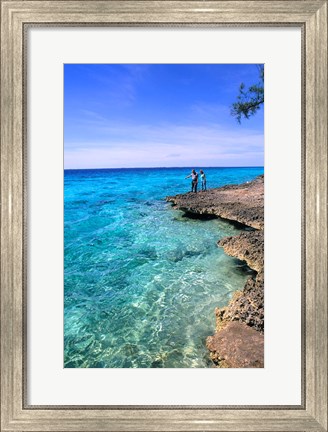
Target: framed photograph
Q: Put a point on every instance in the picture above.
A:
(163, 196)
(150, 267)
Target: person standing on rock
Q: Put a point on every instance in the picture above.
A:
(203, 177)
(194, 180)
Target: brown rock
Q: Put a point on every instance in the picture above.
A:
(237, 346)
(248, 246)
(238, 341)
(240, 203)
(246, 306)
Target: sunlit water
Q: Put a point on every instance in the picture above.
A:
(141, 280)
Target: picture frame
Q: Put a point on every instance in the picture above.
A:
(16, 17)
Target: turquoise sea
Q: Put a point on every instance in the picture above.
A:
(142, 280)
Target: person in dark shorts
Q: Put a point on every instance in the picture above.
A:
(194, 180)
(203, 178)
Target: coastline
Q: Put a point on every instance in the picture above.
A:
(238, 341)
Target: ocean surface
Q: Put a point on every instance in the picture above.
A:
(142, 280)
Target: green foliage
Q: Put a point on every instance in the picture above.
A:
(249, 101)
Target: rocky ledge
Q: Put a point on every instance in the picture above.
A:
(239, 338)
(240, 203)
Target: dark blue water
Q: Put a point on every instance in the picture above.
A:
(141, 280)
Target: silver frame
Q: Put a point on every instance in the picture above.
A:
(16, 17)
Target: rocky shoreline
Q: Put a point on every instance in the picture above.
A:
(239, 338)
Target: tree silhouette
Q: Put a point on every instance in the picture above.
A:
(249, 101)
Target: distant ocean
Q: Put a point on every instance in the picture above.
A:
(141, 280)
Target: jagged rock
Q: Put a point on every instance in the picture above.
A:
(246, 306)
(248, 246)
(239, 340)
(237, 346)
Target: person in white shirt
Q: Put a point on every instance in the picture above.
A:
(194, 180)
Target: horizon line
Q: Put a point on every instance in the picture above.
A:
(163, 167)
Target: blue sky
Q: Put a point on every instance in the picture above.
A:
(160, 115)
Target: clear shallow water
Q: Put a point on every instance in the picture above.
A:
(141, 280)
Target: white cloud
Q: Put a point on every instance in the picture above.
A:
(166, 145)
